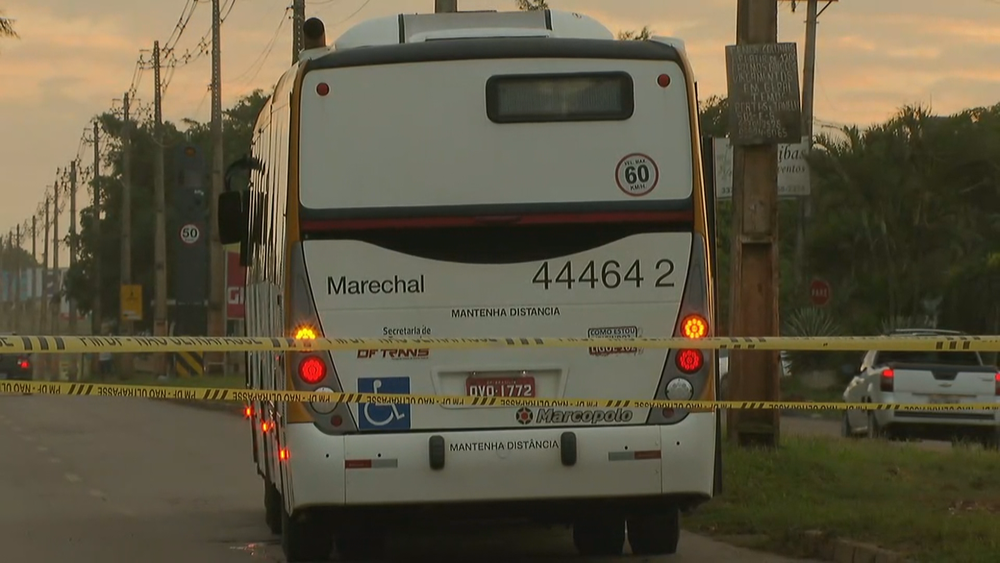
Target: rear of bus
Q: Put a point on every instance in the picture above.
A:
(484, 188)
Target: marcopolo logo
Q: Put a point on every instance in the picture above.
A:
(616, 332)
(525, 415)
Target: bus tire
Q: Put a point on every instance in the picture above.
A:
(655, 533)
(358, 545)
(598, 536)
(305, 536)
(273, 507)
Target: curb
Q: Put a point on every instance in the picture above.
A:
(839, 550)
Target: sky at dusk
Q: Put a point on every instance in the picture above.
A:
(75, 58)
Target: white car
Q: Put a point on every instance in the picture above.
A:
(930, 377)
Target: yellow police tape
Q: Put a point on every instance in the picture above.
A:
(255, 395)
(145, 344)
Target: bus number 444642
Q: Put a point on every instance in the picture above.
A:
(610, 274)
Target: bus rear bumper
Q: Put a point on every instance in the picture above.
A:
(625, 466)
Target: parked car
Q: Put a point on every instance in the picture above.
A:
(925, 377)
(15, 366)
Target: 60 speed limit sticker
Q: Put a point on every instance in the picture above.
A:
(637, 174)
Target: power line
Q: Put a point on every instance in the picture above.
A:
(262, 57)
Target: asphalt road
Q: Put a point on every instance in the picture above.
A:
(95, 480)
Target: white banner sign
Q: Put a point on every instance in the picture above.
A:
(793, 170)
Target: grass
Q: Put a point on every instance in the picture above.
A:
(934, 507)
(792, 389)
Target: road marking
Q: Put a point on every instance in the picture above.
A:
(42, 449)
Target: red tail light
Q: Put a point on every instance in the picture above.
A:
(23, 364)
(997, 385)
(690, 361)
(886, 380)
(248, 412)
(312, 370)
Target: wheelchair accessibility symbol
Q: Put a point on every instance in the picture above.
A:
(384, 417)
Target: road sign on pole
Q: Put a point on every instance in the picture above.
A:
(190, 233)
(819, 292)
(131, 302)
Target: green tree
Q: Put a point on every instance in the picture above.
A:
(7, 27)
(237, 133)
(632, 35)
(532, 5)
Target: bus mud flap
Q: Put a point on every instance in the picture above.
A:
(567, 448)
(436, 449)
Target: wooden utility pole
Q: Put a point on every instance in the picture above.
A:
(34, 272)
(444, 6)
(17, 279)
(73, 246)
(5, 254)
(96, 313)
(55, 301)
(160, 236)
(44, 298)
(298, 18)
(126, 224)
(764, 101)
(216, 258)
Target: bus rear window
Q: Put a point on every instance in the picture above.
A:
(541, 98)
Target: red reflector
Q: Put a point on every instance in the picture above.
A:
(357, 464)
(336, 420)
(312, 370)
(322, 88)
(648, 454)
(690, 361)
(663, 80)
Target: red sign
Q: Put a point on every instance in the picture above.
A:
(236, 276)
(819, 292)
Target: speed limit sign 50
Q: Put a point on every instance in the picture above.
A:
(637, 174)
(190, 233)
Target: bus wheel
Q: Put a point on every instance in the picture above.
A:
(273, 507)
(599, 536)
(655, 533)
(305, 536)
(357, 545)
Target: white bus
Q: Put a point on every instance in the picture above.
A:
(476, 175)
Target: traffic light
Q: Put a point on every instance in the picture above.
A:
(191, 173)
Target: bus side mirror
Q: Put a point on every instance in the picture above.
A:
(232, 221)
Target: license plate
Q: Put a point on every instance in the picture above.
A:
(943, 399)
(500, 386)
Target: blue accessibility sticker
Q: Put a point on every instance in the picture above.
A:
(374, 416)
